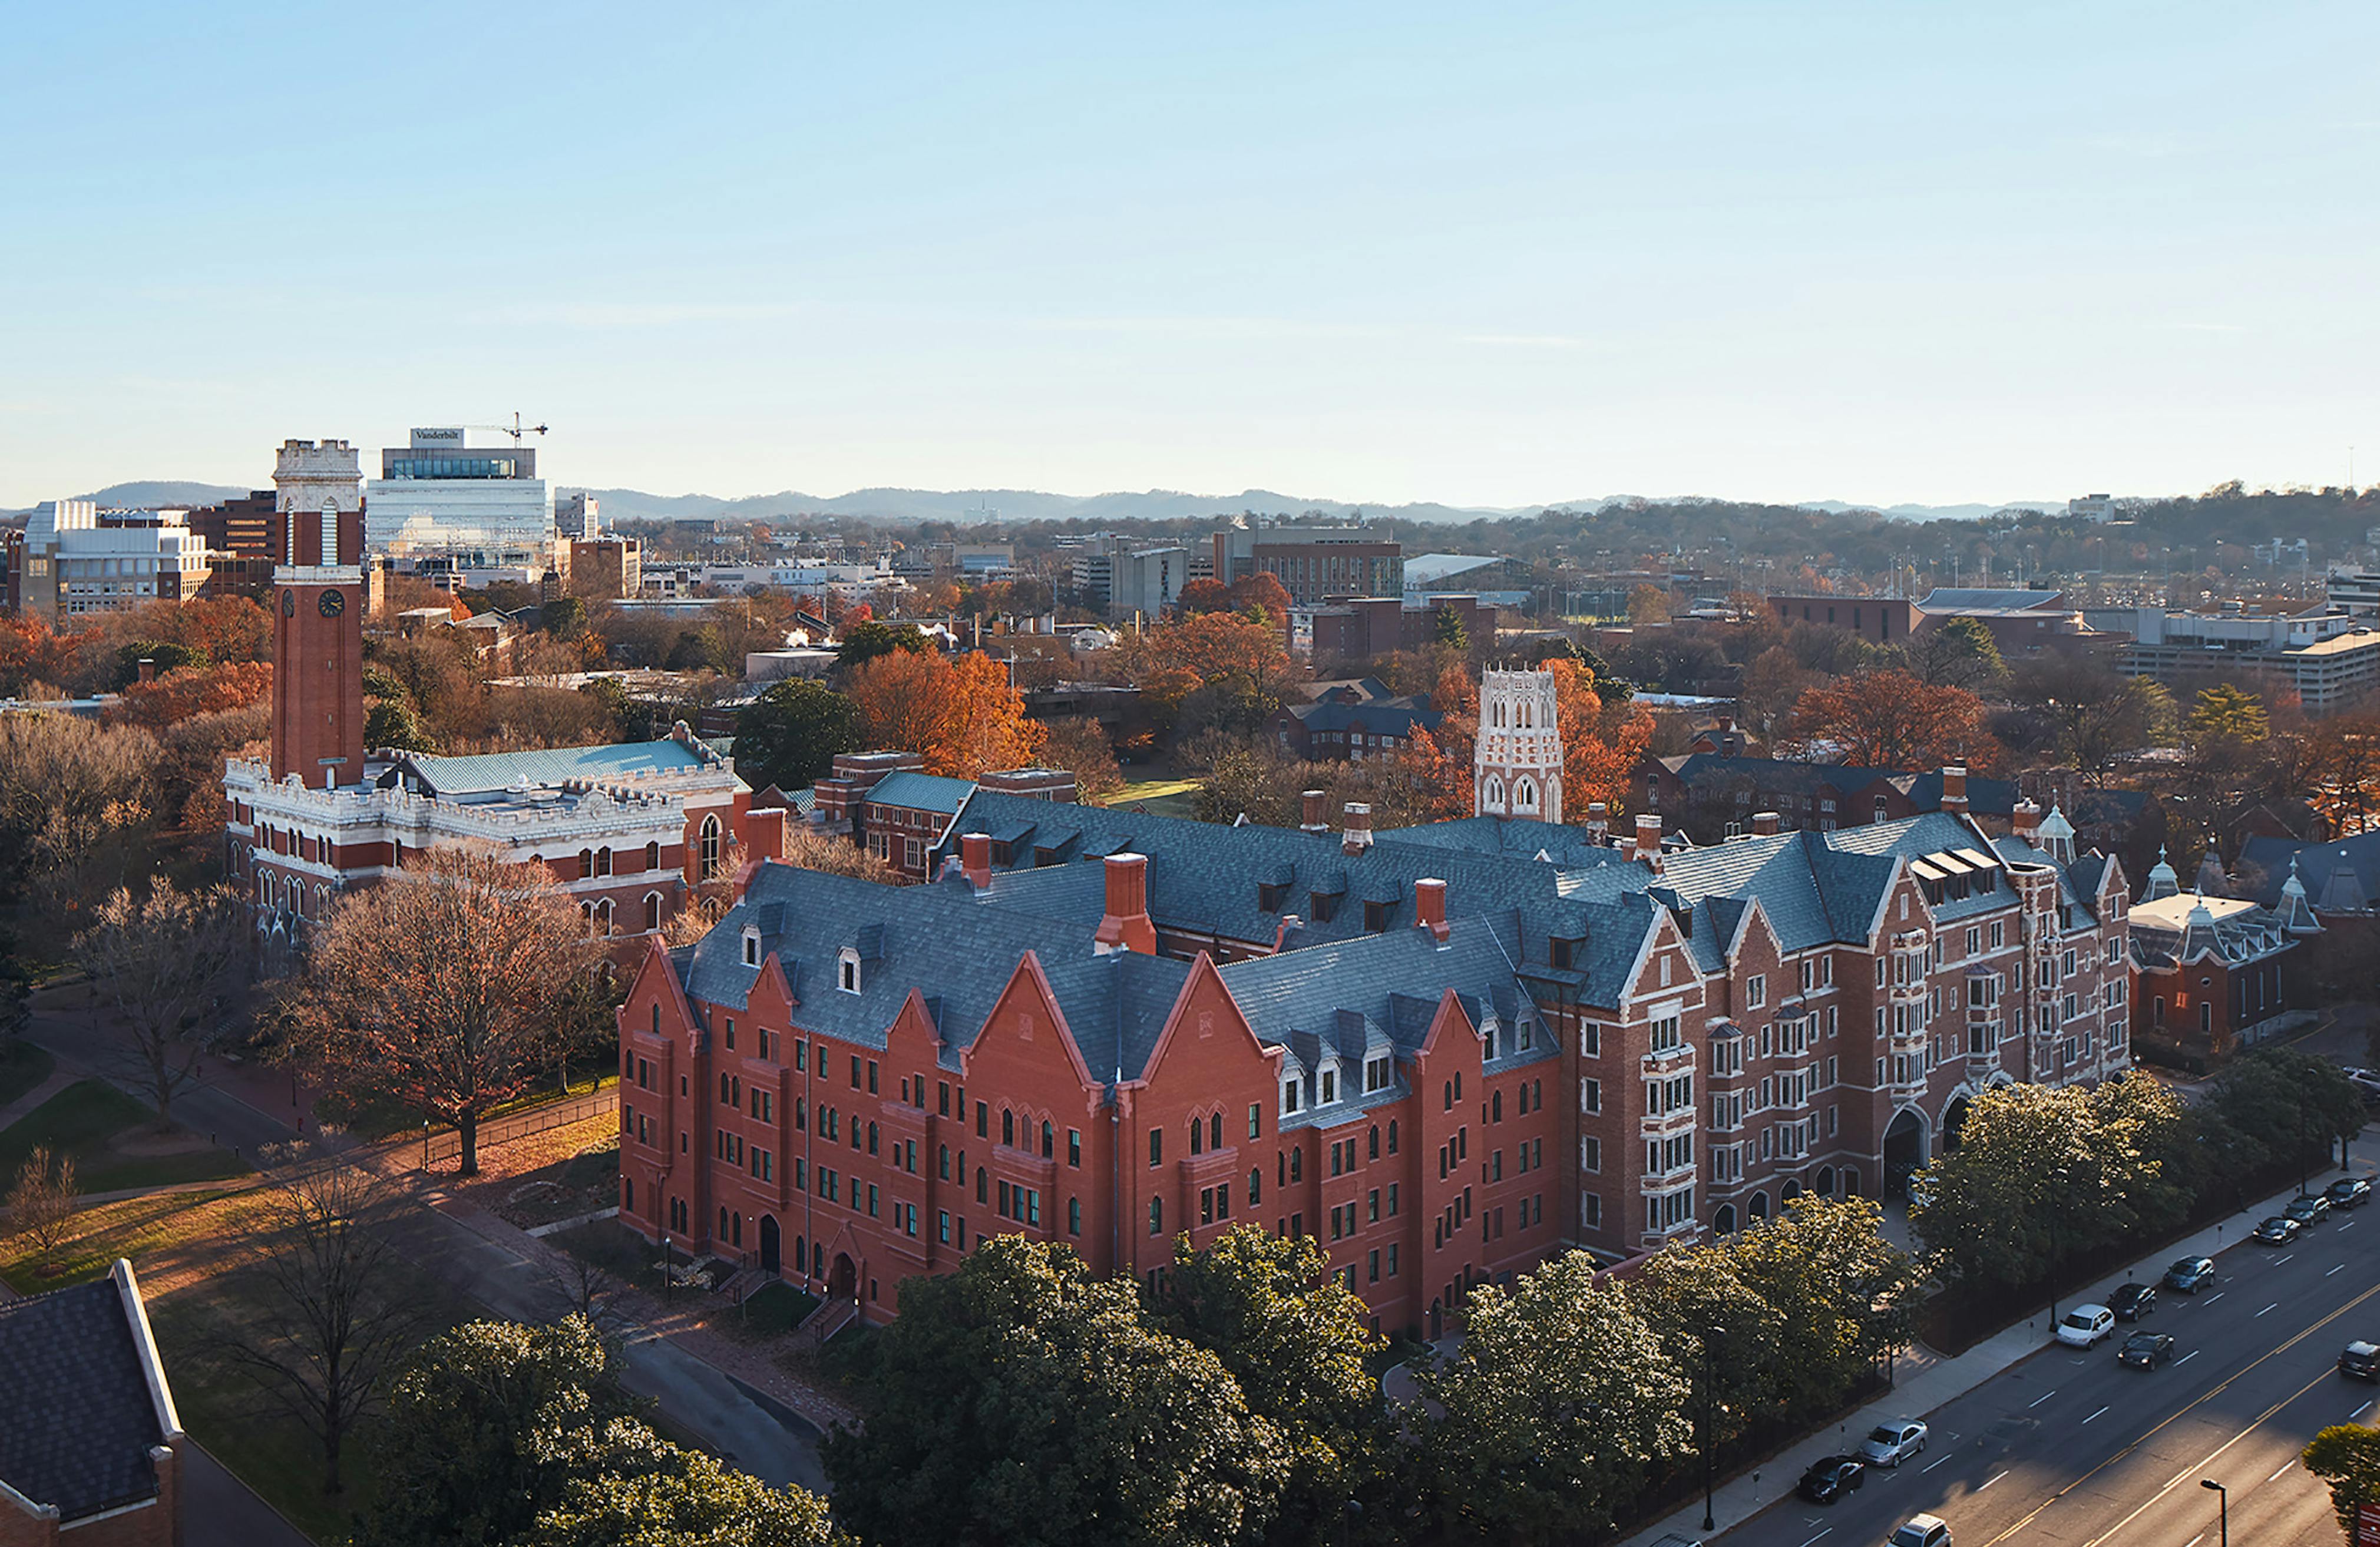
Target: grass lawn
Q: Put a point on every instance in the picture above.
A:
(774, 1311)
(1173, 798)
(373, 1118)
(105, 1129)
(22, 1067)
(618, 1250)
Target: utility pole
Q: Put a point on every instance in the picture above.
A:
(2223, 1495)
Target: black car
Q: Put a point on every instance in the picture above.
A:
(2308, 1208)
(2145, 1350)
(2348, 1192)
(1830, 1477)
(2191, 1274)
(2279, 1230)
(2362, 1360)
(2131, 1301)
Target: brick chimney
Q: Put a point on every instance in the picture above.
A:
(1316, 820)
(975, 858)
(1954, 789)
(2025, 821)
(1429, 907)
(1598, 823)
(1126, 925)
(1765, 824)
(1649, 838)
(147, 669)
(1357, 837)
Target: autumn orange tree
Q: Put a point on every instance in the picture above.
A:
(1890, 719)
(191, 690)
(1601, 744)
(1215, 654)
(2343, 770)
(960, 714)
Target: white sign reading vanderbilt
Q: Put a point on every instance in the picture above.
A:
(438, 437)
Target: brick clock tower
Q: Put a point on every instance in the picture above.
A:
(318, 606)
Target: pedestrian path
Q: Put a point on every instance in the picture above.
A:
(1930, 1381)
(27, 1104)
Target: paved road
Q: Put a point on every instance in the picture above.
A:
(2069, 1447)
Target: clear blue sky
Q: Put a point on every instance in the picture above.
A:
(1484, 254)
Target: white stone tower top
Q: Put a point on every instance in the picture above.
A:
(319, 482)
(1516, 762)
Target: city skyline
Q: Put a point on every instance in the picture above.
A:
(1375, 256)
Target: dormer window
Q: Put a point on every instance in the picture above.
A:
(751, 948)
(847, 970)
(1289, 1096)
(1270, 897)
(1378, 1073)
(1490, 1053)
(1330, 1086)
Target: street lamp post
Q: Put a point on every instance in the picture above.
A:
(1710, 1424)
(665, 1268)
(2222, 1494)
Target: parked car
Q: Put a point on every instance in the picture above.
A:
(2279, 1230)
(2348, 1192)
(2131, 1301)
(1891, 1444)
(1830, 1478)
(2309, 1207)
(1921, 1530)
(2361, 1360)
(2145, 1350)
(2085, 1325)
(2190, 1274)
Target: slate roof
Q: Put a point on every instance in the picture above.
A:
(77, 1418)
(498, 770)
(1379, 716)
(920, 792)
(2341, 875)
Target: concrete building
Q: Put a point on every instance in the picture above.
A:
(607, 567)
(576, 517)
(1313, 563)
(439, 493)
(74, 558)
(2331, 658)
(1446, 1053)
(1124, 576)
(90, 1445)
(2100, 508)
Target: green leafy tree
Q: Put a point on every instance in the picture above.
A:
(1844, 1295)
(1960, 654)
(790, 735)
(564, 617)
(644, 1491)
(391, 723)
(863, 642)
(2347, 1456)
(1447, 629)
(164, 655)
(1296, 1339)
(1561, 1400)
(2274, 1104)
(1721, 1330)
(486, 1429)
(1023, 1400)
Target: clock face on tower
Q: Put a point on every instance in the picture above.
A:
(288, 604)
(332, 602)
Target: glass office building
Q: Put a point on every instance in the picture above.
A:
(438, 494)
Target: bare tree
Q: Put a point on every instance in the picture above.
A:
(335, 1326)
(77, 805)
(44, 1199)
(441, 985)
(164, 962)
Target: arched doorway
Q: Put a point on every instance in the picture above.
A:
(844, 1282)
(1954, 1118)
(1826, 1181)
(1906, 1147)
(1788, 1192)
(1723, 1220)
(769, 1245)
(1436, 1320)
(1758, 1208)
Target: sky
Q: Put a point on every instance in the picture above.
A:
(1488, 255)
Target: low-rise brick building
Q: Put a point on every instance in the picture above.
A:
(90, 1448)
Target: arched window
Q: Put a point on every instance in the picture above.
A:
(1525, 794)
(1494, 790)
(587, 916)
(710, 846)
(652, 911)
(604, 861)
(1255, 1186)
(1392, 1136)
(1008, 1127)
(1157, 1216)
(1375, 1151)
(1214, 1131)
(604, 917)
(1496, 1106)
(1198, 1136)
(652, 857)
(1049, 1141)
(585, 863)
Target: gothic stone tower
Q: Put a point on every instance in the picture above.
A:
(1517, 761)
(318, 628)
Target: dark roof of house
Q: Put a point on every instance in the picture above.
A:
(78, 1418)
(920, 792)
(1380, 716)
(486, 772)
(2341, 875)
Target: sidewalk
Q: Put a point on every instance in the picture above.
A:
(1929, 1380)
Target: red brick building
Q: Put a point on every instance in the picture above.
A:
(2211, 973)
(1444, 1052)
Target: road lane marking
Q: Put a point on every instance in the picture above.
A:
(2285, 1466)
(2095, 1415)
(1828, 1531)
(1996, 1476)
(2278, 1260)
(2275, 1305)
(2215, 1297)
(2042, 1397)
(2196, 1540)
(2328, 1272)
(2361, 1411)
(2176, 1417)
(1930, 1465)
(2187, 1358)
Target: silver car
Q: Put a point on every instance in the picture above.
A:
(1892, 1443)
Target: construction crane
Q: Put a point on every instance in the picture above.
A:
(515, 428)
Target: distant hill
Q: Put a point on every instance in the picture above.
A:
(169, 493)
